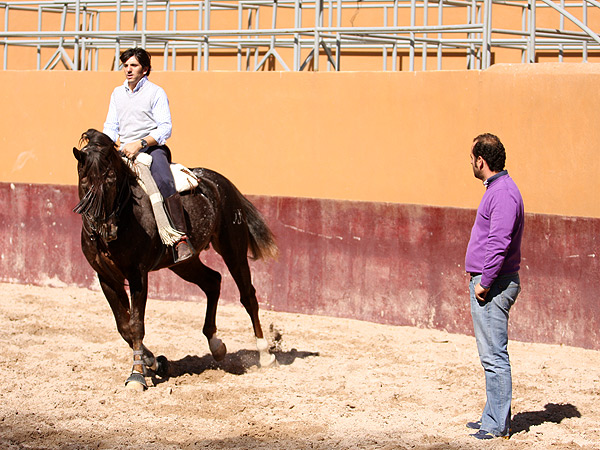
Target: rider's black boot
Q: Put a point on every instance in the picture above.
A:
(183, 248)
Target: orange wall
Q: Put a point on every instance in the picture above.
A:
(375, 136)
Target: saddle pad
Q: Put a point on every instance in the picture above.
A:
(185, 180)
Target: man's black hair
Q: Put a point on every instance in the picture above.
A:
(140, 54)
(491, 150)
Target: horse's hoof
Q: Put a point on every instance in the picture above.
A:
(220, 352)
(267, 360)
(136, 382)
(217, 348)
(162, 367)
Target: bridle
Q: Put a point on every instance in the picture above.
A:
(99, 224)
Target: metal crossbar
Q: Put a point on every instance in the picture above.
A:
(297, 34)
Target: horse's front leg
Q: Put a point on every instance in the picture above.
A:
(142, 357)
(130, 324)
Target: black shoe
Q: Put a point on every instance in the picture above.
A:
(485, 435)
(474, 425)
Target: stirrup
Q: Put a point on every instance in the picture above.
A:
(185, 242)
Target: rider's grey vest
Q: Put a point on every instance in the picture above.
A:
(135, 111)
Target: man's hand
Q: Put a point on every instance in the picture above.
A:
(480, 292)
(131, 149)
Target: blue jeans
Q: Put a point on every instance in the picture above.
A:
(490, 322)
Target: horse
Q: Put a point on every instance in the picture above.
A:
(120, 240)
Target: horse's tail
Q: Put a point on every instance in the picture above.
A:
(262, 243)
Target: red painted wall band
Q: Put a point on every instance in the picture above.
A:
(381, 262)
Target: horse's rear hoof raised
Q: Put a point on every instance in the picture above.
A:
(265, 357)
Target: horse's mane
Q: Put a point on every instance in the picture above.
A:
(100, 155)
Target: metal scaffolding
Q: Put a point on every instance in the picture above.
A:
(297, 34)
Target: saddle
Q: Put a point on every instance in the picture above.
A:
(185, 180)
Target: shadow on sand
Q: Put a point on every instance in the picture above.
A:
(236, 363)
(552, 412)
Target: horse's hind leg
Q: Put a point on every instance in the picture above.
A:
(240, 271)
(210, 282)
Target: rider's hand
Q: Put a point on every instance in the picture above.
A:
(131, 149)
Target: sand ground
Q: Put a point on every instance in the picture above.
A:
(339, 384)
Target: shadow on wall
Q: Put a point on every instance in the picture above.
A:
(552, 412)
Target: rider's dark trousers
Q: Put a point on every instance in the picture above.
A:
(161, 169)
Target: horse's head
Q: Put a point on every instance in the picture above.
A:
(103, 183)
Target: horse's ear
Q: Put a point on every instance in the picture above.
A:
(77, 153)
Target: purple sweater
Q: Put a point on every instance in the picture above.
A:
(495, 245)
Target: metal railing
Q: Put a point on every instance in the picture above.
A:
(298, 34)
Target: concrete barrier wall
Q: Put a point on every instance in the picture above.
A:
(382, 262)
(365, 178)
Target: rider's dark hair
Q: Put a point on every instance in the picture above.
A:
(491, 150)
(140, 54)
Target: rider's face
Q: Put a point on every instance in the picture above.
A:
(133, 71)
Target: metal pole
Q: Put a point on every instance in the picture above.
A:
(531, 42)
(39, 47)
(413, 15)
(486, 45)
(384, 47)
(76, 42)
(330, 24)
(5, 59)
(440, 22)
(318, 24)
(118, 40)
(199, 51)
(297, 22)
(524, 52)
(173, 46)
(144, 21)
(207, 8)
(584, 49)
(562, 28)
(425, 22)
(471, 18)
(84, 63)
(338, 38)
(166, 45)
(240, 11)
(395, 48)
(96, 54)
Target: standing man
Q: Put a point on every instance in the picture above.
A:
(493, 260)
(139, 120)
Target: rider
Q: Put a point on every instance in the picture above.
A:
(140, 119)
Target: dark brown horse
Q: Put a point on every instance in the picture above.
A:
(121, 242)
